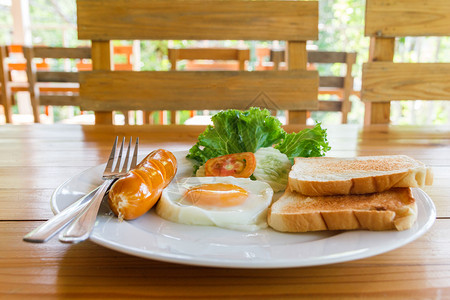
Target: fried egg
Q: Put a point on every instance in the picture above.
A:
(227, 202)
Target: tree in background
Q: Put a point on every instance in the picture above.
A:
(341, 28)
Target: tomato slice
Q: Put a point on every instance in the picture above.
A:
(236, 165)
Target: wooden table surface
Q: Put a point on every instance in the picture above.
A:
(35, 159)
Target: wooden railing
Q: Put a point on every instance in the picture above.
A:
(383, 80)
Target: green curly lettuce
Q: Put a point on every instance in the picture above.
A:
(306, 143)
(236, 131)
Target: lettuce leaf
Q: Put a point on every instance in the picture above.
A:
(306, 143)
(258, 128)
(235, 131)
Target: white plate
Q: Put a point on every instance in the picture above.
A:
(152, 237)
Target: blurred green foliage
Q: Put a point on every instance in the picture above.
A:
(341, 28)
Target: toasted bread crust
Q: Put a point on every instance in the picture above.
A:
(318, 176)
(393, 209)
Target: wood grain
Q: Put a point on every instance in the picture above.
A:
(297, 59)
(385, 81)
(391, 18)
(330, 105)
(56, 76)
(295, 21)
(381, 49)
(342, 86)
(25, 204)
(196, 90)
(385, 20)
(32, 80)
(5, 94)
(197, 20)
(239, 56)
(60, 100)
(102, 60)
(417, 270)
(209, 53)
(350, 60)
(62, 52)
(35, 159)
(331, 81)
(314, 56)
(55, 92)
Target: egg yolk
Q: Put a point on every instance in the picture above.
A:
(216, 195)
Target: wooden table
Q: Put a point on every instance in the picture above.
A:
(35, 159)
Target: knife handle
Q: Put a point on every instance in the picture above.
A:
(48, 229)
(80, 229)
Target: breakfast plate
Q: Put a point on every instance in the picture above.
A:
(155, 238)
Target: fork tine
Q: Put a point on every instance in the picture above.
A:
(119, 158)
(110, 163)
(135, 154)
(125, 167)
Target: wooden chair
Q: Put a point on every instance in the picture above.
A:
(382, 79)
(341, 86)
(217, 59)
(104, 90)
(12, 60)
(53, 88)
(124, 51)
(4, 81)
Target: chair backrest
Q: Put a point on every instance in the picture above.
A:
(5, 93)
(205, 58)
(53, 95)
(12, 76)
(239, 58)
(342, 85)
(107, 90)
(382, 79)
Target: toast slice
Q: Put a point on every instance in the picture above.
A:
(392, 209)
(319, 176)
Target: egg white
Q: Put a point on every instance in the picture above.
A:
(251, 215)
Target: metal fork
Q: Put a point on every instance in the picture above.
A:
(48, 229)
(80, 229)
